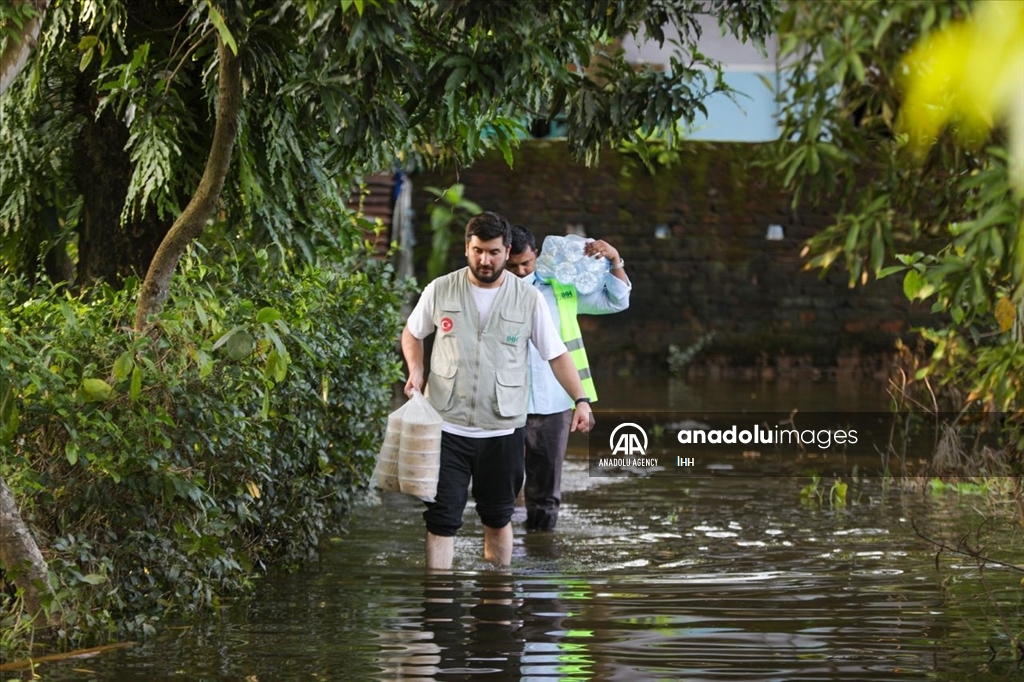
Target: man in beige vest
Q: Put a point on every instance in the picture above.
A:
(483, 319)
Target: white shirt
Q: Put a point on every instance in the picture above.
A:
(544, 342)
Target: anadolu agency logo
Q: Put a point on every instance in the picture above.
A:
(628, 439)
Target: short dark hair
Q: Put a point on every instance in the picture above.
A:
(489, 225)
(522, 239)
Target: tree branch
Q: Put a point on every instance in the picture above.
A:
(20, 555)
(21, 43)
(963, 549)
(201, 206)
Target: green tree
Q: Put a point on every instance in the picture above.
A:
(937, 206)
(130, 129)
(130, 118)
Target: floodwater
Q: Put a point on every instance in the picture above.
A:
(648, 577)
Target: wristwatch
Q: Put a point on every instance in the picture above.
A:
(584, 399)
(621, 264)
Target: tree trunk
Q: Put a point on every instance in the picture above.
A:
(19, 554)
(107, 250)
(200, 208)
(110, 249)
(15, 55)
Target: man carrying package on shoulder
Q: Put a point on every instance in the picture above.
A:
(550, 413)
(484, 320)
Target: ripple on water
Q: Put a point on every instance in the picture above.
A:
(645, 579)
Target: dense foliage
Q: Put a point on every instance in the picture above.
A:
(107, 131)
(168, 462)
(162, 472)
(941, 212)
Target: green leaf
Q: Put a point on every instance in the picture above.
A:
(94, 579)
(281, 369)
(205, 364)
(96, 390)
(794, 162)
(276, 339)
(453, 195)
(9, 417)
(852, 237)
(890, 270)
(83, 63)
(268, 315)
(456, 60)
(136, 386)
(217, 19)
(838, 493)
(912, 283)
(887, 18)
(240, 345)
(858, 67)
(916, 286)
(277, 366)
(71, 452)
(877, 250)
(506, 151)
(226, 336)
(788, 45)
(124, 364)
(201, 314)
(439, 218)
(455, 79)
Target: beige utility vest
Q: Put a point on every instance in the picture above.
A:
(478, 377)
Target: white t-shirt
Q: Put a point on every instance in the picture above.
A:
(545, 337)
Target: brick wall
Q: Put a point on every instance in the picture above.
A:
(694, 241)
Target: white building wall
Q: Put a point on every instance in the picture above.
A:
(748, 117)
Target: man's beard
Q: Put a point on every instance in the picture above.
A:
(488, 278)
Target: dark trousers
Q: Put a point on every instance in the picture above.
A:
(495, 467)
(546, 438)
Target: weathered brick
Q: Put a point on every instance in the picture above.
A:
(715, 271)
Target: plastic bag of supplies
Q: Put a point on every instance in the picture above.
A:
(410, 457)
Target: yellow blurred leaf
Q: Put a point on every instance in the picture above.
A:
(1006, 314)
(969, 75)
(254, 489)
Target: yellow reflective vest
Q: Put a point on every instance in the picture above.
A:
(572, 337)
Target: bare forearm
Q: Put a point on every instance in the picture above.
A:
(412, 349)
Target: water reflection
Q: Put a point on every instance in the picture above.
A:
(466, 629)
(653, 577)
(669, 393)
